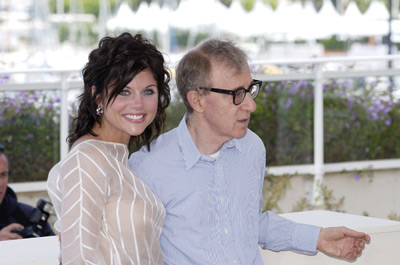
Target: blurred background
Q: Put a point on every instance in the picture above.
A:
(59, 33)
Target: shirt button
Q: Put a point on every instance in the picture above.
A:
(226, 231)
(222, 199)
(234, 261)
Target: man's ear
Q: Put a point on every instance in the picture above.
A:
(195, 100)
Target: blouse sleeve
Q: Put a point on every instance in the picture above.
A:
(84, 188)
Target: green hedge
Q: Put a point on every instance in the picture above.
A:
(361, 121)
(30, 133)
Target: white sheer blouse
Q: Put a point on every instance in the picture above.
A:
(106, 214)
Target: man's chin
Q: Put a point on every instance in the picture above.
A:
(241, 134)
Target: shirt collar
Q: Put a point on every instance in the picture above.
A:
(189, 149)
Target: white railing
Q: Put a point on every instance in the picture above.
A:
(318, 74)
(317, 69)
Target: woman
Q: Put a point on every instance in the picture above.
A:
(106, 215)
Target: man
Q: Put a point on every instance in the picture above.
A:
(209, 172)
(13, 214)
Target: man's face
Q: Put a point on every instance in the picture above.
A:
(226, 120)
(3, 176)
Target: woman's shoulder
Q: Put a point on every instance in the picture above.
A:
(97, 146)
(92, 156)
(88, 152)
(87, 144)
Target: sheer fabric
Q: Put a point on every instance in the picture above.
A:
(106, 214)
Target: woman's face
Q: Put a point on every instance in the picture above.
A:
(131, 111)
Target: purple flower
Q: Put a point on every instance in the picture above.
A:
(288, 103)
(388, 121)
(302, 83)
(349, 103)
(34, 96)
(268, 89)
(387, 110)
(357, 176)
(293, 90)
(379, 105)
(29, 136)
(374, 116)
(50, 107)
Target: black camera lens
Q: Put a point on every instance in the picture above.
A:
(37, 220)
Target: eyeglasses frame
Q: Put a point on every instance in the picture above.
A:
(233, 92)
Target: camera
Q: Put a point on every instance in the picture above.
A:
(37, 220)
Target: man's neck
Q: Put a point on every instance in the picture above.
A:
(204, 142)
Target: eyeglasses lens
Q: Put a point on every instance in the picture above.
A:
(239, 96)
(254, 89)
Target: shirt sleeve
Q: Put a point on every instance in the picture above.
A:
(278, 233)
(139, 166)
(83, 200)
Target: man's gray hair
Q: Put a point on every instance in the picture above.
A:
(194, 69)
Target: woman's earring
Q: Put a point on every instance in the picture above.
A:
(99, 111)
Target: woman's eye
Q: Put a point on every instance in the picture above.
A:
(149, 91)
(124, 92)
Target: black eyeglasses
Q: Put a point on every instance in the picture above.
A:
(240, 93)
(1, 148)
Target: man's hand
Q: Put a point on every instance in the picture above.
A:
(6, 234)
(342, 242)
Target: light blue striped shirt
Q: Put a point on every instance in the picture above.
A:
(213, 206)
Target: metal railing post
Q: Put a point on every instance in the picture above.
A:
(64, 126)
(318, 135)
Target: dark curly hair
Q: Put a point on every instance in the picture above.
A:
(111, 66)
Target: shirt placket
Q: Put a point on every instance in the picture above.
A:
(226, 228)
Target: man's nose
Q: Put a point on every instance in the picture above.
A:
(249, 103)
